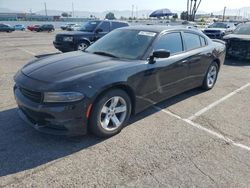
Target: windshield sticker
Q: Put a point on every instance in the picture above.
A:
(146, 33)
(93, 23)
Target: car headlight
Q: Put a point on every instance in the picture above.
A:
(57, 97)
(68, 39)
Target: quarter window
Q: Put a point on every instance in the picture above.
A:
(203, 41)
(171, 42)
(192, 41)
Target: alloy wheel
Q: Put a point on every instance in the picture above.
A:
(113, 113)
(212, 76)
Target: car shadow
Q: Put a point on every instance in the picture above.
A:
(23, 148)
(236, 62)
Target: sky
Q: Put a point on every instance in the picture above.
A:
(103, 5)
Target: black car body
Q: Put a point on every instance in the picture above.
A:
(6, 28)
(144, 72)
(219, 29)
(45, 27)
(238, 43)
(89, 33)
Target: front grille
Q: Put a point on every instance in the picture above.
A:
(59, 38)
(212, 31)
(32, 95)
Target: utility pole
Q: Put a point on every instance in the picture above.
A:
(45, 6)
(132, 15)
(224, 12)
(136, 12)
(73, 11)
(187, 10)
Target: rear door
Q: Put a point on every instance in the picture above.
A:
(199, 57)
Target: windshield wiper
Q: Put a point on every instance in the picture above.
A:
(105, 54)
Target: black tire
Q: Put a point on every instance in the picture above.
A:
(82, 45)
(206, 84)
(95, 124)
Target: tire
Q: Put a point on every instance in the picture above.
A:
(82, 46)
(104, 116)
(211, 76)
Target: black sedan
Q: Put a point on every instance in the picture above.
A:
(120, 75)
(238, 43)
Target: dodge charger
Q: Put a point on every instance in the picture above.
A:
(120, 75)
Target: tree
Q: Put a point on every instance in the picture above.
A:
(184, 15)
(110, 16)
(65, 14)
(175, 16)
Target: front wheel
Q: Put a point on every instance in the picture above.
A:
(211, 76)
(82, 46)
(110, 113)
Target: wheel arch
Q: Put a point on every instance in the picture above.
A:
(122, 86)
(217, 61)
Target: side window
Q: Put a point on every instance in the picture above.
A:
(116, 25)
(104, 27)
(171, 42)
(203, 41)
(192, 41)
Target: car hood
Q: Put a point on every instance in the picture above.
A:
(236, 36)
(69, 66)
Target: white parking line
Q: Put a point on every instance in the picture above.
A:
(27, 51)
(198, 126)
(202, 111)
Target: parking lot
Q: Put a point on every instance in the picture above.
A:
(196, 139)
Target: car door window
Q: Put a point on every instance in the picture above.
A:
(203, 41)
(116, 25)
(104, 27)
(192, 41)
(171, 42)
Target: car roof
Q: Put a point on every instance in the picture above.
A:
(160, 28)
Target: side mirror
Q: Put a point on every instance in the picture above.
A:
(99, 30)
(161, 53)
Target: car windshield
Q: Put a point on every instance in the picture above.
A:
(123, 43)
(89, 26)
(243, 30)
(218, 25)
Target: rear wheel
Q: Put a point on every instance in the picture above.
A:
(110, 113)
(211, 76)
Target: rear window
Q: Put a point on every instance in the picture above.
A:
(192, 41)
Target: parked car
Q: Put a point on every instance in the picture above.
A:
(64, 27)
(33, 27)
(119, 75)
(238, 43)
(6, 28)
(74, 27)
(45, 27)
(89, 33)
(19, 27)
(219, 29)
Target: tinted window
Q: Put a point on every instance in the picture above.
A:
(124, 43)
(192, 41)
(171, 42)
(116, 25)
(243, 29)
(203, 41)
(104, 26)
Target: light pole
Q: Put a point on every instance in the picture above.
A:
(223, 19)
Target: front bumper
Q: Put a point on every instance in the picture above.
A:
(64, 46)
(214, 35)
(57, 119)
